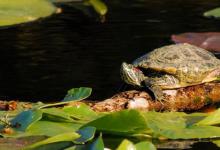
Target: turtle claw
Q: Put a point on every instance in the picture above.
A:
(158, 93)
(156, 90)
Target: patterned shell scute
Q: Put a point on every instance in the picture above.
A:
(186, 61)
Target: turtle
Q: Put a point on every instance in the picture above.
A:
(171, 67)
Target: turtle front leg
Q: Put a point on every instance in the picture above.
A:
(158, 93)
(155, 89)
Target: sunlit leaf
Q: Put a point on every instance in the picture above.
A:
(212, 119)
(71, 148)
(86, 134)
(194, 118)
(213, 13)
(193, 132)
(174, 127)
(58, 138)
(126, 145)
(50, 128)
(81, 111)
(123, 122)
(216, 142)
(99, 6)
(145, 145)
(19, 11)
(77, 94)
(56, 114)
(25, 119)
(165, 120)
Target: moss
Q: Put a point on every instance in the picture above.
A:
(208, 100)
(197, 100)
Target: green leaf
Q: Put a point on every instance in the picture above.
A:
(213, 13)
(54, 146)
(194, 118)
(81, 111)
(56, 114)
(77, 94)
(212, 119)
(173, 126)
(126, 145)
(58, 138)
(216, 142)
(145, 145)
(95, 145)
(86, 134)
(20, 11)
(71, 148)
(123, 122)
(50, 128)
(193, 132)
(99, 6)
(25, 119)
(98, 144)
(160, 121)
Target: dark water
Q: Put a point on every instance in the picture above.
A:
(43, 59)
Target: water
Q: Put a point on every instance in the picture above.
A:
(43, 59)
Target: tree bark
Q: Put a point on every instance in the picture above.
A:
(183, 99)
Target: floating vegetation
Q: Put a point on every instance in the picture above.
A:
(77, 126)
(213, 13)
(21, 11)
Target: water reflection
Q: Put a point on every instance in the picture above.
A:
(42, 60)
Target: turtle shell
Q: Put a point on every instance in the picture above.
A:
(188, 63)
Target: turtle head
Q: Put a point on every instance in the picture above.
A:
(131, 75)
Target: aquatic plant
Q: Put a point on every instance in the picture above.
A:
(21, 11)
(77, 126)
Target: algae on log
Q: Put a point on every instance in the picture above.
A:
(184, 99)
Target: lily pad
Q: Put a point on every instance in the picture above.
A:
(25, 119)
(49, 128)
(58, 138)
(99, 6)
(212, 119)
(20, 11)
(213, 13)
(174, 126)
(126, 145)
(82, 112)
(87, 133)
(56, 114)
(77, 94)
(145, 145)
(74, 94)
(124, 122)
(98, 144)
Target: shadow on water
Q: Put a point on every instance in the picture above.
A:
(43, 59)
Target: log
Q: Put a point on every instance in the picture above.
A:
(183, 99)
(192, 98)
